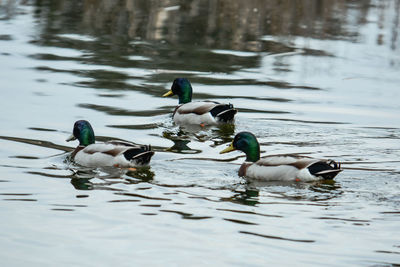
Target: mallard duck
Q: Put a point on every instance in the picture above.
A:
(199, 112)
(279, 167)
(112, 153)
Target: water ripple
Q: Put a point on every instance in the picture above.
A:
(277, 237)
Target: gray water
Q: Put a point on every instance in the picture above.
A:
(314, 77)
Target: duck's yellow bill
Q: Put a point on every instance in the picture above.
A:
(228, 149)
(71, 138)
(169, 93)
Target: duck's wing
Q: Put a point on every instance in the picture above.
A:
(197, 107)
(116, 148)
(297, 161)
(109, 148)
(217, 111)
(326, 169)
(126, 144)
(100, 155)
(115, 153)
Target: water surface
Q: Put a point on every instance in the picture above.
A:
(314, 77)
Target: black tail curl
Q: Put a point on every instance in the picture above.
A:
(224, 112)
(327, 170)
(141, 155)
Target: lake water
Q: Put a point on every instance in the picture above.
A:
(315, 77)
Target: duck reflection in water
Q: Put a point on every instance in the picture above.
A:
(248, 196)
(181, 139)
(82, 179)
(320, 190)
(183, 135)
(253, 191)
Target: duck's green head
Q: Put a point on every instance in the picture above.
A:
(83, 131)
(246, 142)
(182, 88)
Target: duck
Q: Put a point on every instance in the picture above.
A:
(202, 113)
(291, 167)
(112, 153)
